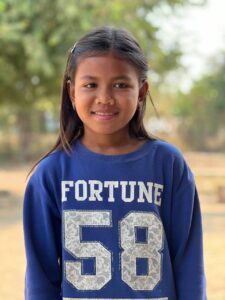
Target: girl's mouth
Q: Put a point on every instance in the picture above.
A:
(104, 115)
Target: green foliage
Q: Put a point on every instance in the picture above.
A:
(203, 109)
(36, 35)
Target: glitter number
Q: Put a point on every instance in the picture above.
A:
(132, 249)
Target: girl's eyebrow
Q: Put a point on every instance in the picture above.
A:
(121, 77)
(88, 77)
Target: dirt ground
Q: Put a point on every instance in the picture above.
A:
(210, 175)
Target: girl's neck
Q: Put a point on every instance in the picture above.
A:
(111, 145)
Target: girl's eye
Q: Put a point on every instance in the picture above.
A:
(90, 85)
(121, 85)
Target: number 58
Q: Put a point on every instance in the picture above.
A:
(74, 221)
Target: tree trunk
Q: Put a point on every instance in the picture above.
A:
(25, 137)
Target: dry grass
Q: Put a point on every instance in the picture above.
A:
(210, 174)
(12, 183)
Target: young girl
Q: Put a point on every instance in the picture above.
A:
(109, 212)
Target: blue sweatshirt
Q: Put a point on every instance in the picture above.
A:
(113, 226)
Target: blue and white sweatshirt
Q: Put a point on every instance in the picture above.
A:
(113, 226)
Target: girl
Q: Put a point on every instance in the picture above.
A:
(110, 212)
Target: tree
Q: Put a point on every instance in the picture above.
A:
(34, 39)
(203, 110)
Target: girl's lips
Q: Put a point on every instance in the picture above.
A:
(104, 115)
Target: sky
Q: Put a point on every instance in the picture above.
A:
(206, 38)
(201, 34)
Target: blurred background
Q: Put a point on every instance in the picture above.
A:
(184, 41)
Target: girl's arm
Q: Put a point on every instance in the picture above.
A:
(186, 230)
(42, 235)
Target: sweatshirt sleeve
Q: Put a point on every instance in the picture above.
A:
(187, 239)
(42, 236)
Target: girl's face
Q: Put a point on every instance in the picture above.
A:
(106, 93)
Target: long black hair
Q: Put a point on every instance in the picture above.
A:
(99, 41)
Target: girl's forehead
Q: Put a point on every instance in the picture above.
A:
(104, 64)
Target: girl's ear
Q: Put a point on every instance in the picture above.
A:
(143, 90)
(70, 89)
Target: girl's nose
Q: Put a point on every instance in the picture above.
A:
(104, 97)
(105, 100)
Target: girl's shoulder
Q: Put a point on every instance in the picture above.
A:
(49, 165)
(167, 150)
(170, 157)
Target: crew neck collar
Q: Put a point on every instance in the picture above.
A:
(136, 154)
